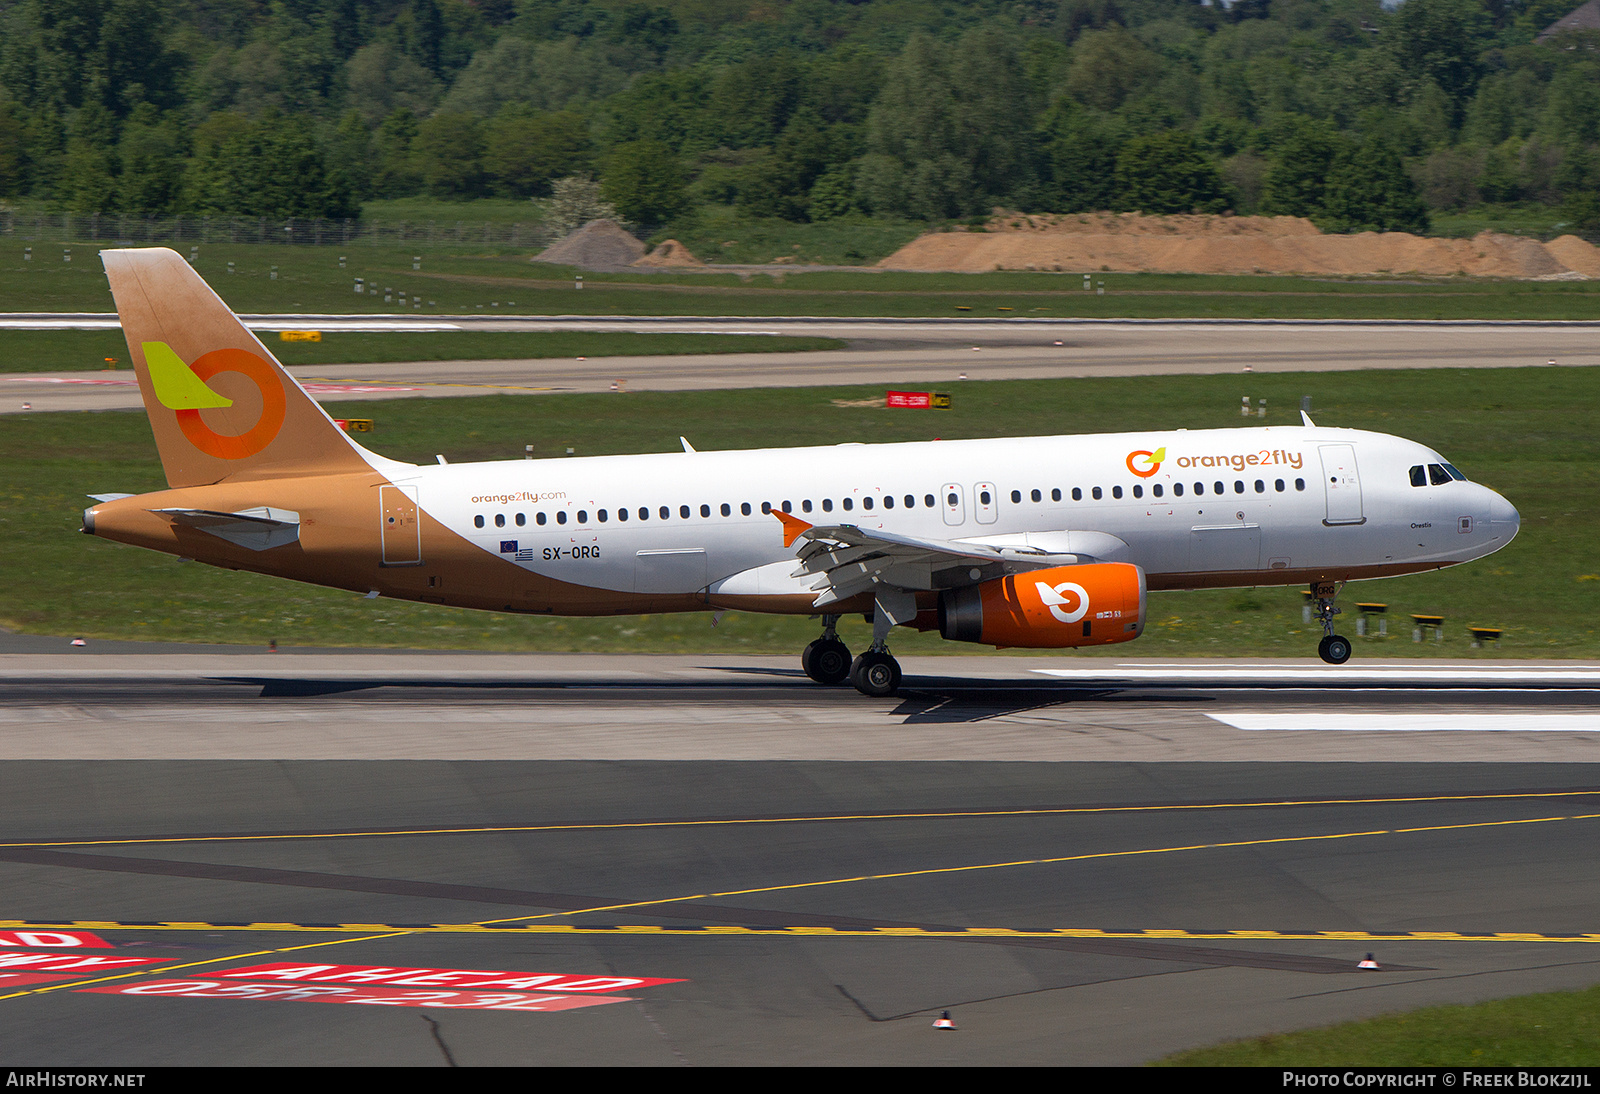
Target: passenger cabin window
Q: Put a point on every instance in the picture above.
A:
(805, 506)
(1156, 490)
(1055, 495)
(561, 517)
(499, 520)
(1016, 497)
(928, 500)
(744, 509)
(1138, 491)
(538, 518)
(848, 503)
(827, 505)
(1077, 493)
(727, 510)
(888, 501)
(1096, 493)
(866, 503)
(705, 510)
(1116, 491)
(583, 516)
(602, 515)
(477, 521)
(1177, 489)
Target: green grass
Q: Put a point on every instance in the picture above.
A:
(61, 351)
(1516, 430)
(1544, 222)
(1561, 1029)
(723, 235)
(491, 282)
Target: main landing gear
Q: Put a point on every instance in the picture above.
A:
(1334, 648)
(827, 661)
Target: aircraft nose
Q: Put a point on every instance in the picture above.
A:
(1504, 520)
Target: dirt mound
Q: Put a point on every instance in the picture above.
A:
(1575, 255)
(1132, 242)
(669, 253)
(598, 245)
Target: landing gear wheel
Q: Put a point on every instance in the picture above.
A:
(1334, 649)
(826, 661)
(875, 673)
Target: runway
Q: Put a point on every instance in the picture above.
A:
(1083, 860)
(919, 353)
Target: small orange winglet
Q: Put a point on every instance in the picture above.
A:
(792, 526)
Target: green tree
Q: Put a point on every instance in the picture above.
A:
(1168, 173)
(449, 153)
(644, 180)
(1369, 191)
(1298, 176)
(1441, 40)
(524, 149)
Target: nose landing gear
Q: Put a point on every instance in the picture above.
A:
(1334, 648)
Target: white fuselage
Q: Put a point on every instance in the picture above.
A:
(1221, 507)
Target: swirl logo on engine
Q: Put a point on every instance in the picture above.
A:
(1056, 599)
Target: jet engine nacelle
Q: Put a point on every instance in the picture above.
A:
(1089, 605)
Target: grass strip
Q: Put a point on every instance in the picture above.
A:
(1559, 1029)
(69, 350)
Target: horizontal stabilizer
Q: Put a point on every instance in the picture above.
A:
(258, 529)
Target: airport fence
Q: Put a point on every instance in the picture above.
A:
(309, 231)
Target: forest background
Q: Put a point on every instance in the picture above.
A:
(1355, 115)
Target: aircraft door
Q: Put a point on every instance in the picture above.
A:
(955, 506)
(400, 528)
(985, 503)
(1342, 481)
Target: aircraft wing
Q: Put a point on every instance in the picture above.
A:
(847, 560)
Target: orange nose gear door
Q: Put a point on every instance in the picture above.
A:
(399, 526)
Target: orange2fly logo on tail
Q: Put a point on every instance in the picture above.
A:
(182, 389)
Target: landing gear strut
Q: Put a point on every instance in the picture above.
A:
(827, 660)
(876, 672)
(1334, 648)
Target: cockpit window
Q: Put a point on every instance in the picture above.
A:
(1419, 477)
(1455, 474)
(1437, 474)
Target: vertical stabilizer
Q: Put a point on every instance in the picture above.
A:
(220, 405)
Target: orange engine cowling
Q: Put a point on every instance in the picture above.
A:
(1089, 605)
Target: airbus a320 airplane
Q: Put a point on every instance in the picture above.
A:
(1038, 542)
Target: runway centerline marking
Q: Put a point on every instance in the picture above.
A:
(1158, 934)
(1400, 722)
(732, 822)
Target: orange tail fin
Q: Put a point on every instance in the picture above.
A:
(220, 405)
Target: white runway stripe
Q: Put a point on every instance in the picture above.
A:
(1399, 722)
(1331, 675)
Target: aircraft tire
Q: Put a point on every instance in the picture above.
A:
(826, 662)
(1334, 649)
(875, 674)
